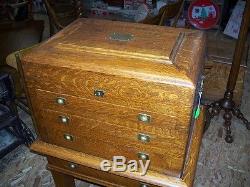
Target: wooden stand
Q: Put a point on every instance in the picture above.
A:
(62, 180)
(227, 104)
(66, 165)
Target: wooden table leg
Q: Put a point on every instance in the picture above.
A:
(62, 180)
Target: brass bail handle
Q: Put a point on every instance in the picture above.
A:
(121, 37)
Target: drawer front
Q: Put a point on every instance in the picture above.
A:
(173, 98)
(109, 133)
(160, 161)
(103, 124)
(88, 136)
(93, 175)
(115, 114)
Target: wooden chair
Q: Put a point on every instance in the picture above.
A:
(168, 11)
(61, 13)
(15, 10)
(16, 36)
(10, 124)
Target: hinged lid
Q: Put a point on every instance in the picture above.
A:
(121, 39)
(128, 48)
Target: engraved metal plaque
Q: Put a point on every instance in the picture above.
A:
(122, 37)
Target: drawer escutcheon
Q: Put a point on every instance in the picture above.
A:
(60, 100)
(64, 119)
(68, 137)
(99, 93)
(143, 138)
(143, 156)
(72, 165)
(144, 118)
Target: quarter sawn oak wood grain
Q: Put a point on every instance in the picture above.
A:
(109, 73)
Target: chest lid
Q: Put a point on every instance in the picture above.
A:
(120, 39)
(124, 48)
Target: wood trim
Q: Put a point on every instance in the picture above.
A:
(29, 104)
(62, 180)
(93, 162)
(194, 147)
(82, 176)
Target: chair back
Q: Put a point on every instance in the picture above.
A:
(15, 36)
(61, 13)
(169, 11)
(54, 21)
(7, 91)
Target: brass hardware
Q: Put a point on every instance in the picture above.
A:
(143, 156)
(121, 37)
(64, 119)
(144, 118)
(68, 137)
(144, 185)
(72, 165)
(143, 137)
(60, 100)
(99, 93)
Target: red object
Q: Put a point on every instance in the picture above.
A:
(203, 14)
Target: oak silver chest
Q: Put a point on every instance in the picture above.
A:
(101, 88)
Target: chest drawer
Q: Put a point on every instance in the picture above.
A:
(109, 113)
(89, 128)
(87, 136)
(170, 99)
(90, 174)
(160, 161)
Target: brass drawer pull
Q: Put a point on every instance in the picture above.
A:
(72, 165)
(143, 138)
(68, 137)
(64, 119)
(143, 156)
(99, 93)
(60, 100)
(144, 118)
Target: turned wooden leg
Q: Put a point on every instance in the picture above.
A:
(62, 180)
(227, 124)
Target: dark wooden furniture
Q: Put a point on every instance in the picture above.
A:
(220, 51)
(10, 124)
(9, 131)
(101, 88)
(169, 11)
(227, 104)
(62, 13)
(15, 10)
(18, 35)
